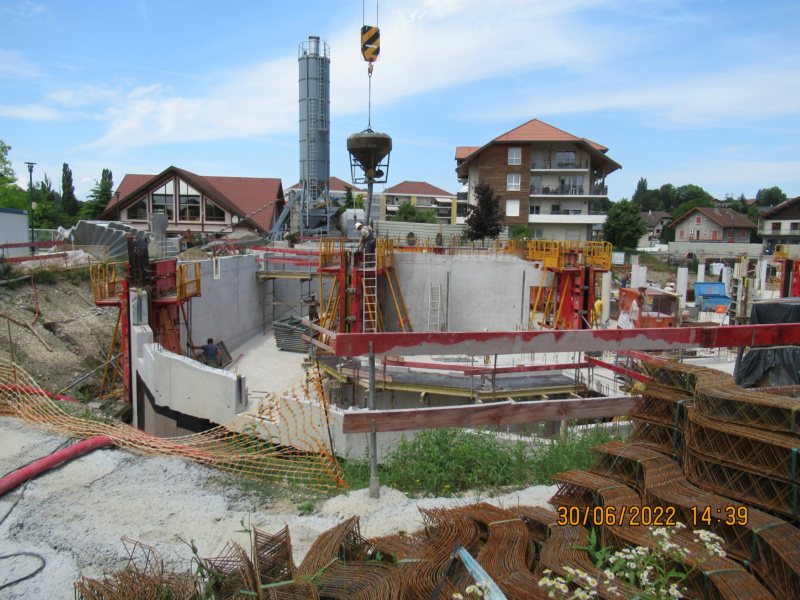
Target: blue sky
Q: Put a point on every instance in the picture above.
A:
(681, 92)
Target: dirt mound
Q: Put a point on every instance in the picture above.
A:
(68, 335)
(193, 254)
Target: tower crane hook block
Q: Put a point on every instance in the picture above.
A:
(370, 43)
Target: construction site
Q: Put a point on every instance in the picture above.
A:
(527, 339)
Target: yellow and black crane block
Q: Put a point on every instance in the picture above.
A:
(370, 43)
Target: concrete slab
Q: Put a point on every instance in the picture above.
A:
(266, 368)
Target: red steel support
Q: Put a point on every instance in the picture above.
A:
(520, 342)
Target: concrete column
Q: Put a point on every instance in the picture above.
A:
(701, 272)
(605, 296)
(762, 280)
(727, 275)
(638, 276)
(682, 284)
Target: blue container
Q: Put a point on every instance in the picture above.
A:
(709, 295)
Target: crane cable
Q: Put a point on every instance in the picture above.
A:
(371, 59)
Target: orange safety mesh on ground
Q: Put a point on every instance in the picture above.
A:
(286, 441)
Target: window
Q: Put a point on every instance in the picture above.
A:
(776, 227)
(512, 208)
(691, 232)
(680, 233)
(743, 234)
(730, 233)
(214, 212)
(164, 200)
(512, 182)
(535, 209)
(705, 231)
(138, 210)
(188, 203)
(537, 233)
(566, 159)
(515, 156)
(536, 184)
(698, 220)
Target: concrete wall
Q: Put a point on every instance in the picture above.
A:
(191, 388)
(492, 291)
(722, 249)
(231, 307)
(14, 230)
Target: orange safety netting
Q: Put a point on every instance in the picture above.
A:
(285, 441)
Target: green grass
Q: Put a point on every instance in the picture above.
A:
(444, 462)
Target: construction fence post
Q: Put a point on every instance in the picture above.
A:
(374, 482)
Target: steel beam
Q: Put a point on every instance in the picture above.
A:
(522, 342)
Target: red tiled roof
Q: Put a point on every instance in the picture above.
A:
(725, 217)
(417, 188)
(464, 151)
(242, 196)
(537, 131)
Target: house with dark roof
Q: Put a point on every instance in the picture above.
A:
(205, 205)
(781, 224)
(654, 222)
(702, 224)
(547, 179)
(424, 196)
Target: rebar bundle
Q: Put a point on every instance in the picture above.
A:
(144, 577)
(721, 577)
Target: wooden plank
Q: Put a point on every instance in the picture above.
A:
(317, 343)
(477, 415)
(316, 327)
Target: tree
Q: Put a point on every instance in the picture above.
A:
(351, 201)
(46, 214)
(484, 218)
(647, 200)
(11, 195)
(409, 213)
(99, 197)
(69, 203)
(624, 225)
(770, 196)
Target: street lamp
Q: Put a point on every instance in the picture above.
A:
(30, 196)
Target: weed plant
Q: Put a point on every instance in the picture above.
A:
(444, 462)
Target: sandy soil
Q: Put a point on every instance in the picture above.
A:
(71, 336)
(69, 522)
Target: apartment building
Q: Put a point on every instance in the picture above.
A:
(424, 196)
(546, 178)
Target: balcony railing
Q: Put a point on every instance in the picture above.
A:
(569, 190)
(548, 164)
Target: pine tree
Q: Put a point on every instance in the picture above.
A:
(69, 203)
(484, 218)
(99, 197)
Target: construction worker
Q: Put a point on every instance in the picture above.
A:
(367, 243)
(211, 354)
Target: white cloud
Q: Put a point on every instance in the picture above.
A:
(31, 112)
(14, 65)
